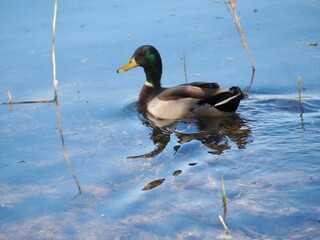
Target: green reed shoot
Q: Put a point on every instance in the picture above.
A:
(299, 89)
(185, 68)
(300, 101)
(224, 200)
(224, 195)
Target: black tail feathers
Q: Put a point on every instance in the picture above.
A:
(226, 101)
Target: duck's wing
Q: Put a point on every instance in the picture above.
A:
(203, 85)
(205, 95)
(195, 90)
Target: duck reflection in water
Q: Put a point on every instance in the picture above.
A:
(189, 100)
(217, 134)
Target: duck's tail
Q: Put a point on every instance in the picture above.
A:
(229, 101)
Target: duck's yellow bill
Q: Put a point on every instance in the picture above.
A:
(131, 64)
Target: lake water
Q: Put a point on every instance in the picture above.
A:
(268, 153)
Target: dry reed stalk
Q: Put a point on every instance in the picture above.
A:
(27, 102)
(54, 68)
(55, 82)
(10, 96)
(224, 225)
(11, 102)
(243, 39)
(55, 99)
(65, 153)
(55, 86)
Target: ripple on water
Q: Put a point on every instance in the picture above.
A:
(286, 103)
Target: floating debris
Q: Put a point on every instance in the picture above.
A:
(153, 184)
(176, 173)
(192, 164)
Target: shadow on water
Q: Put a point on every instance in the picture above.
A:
(218, 134)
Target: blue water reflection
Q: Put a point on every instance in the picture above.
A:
(268, 153)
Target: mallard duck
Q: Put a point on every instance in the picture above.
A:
(183, 101)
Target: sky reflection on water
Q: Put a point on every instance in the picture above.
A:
(268, 153)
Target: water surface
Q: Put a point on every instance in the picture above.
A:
(267, 153)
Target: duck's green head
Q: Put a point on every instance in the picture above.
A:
(149, 58)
